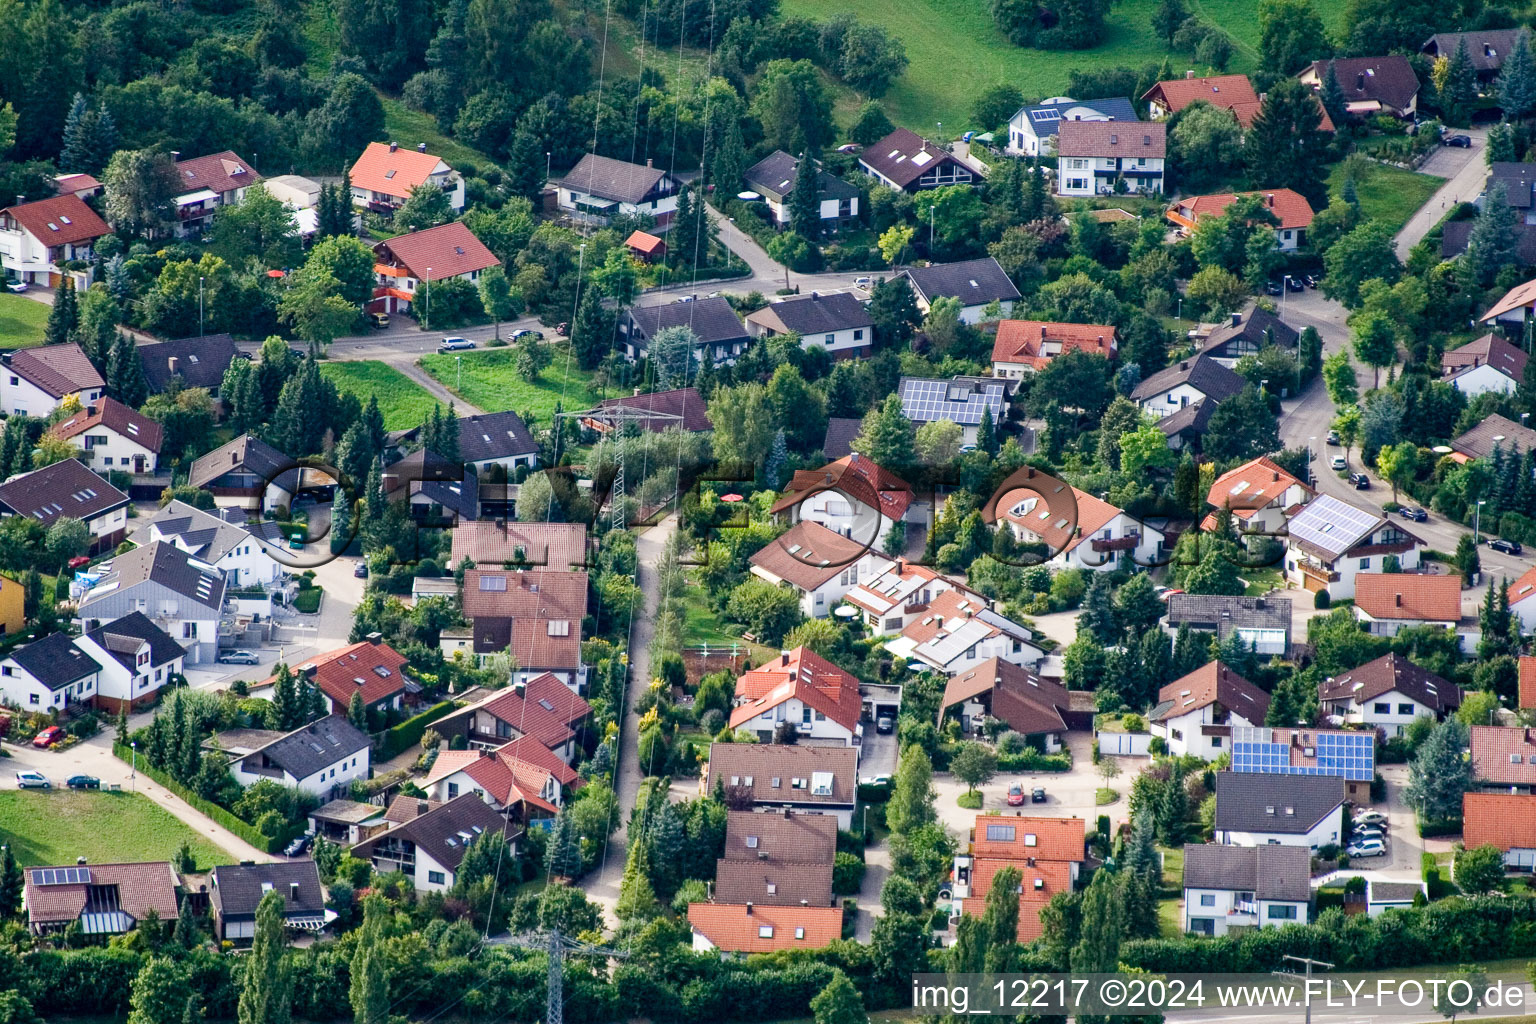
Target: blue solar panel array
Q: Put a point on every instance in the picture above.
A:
(1348, 755)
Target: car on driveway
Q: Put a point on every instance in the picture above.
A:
(360, 570)
(1508, 547)
(1366, 848)
(1037, 795)
(299, 844)
(16, 286)
(239, 658)
(1459, 141)
(1333, 437)
(1371, 818)
(378, 320)
(862, 283)
(885, 724)
(1360, 481)
(83, 782)
(1015, 795)
(1413, 514)
(1294, 284)
(1273, 288)
(455, 345)
(48, 737)
(32, 780)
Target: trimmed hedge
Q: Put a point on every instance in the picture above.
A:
(407, 734)
(1034, 761)
(244, 829)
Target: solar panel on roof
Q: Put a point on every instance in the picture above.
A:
(1331, 524)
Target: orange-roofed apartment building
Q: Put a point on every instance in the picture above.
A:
(383, 177)
(1292, 213)
(1048, 853)
(1196, 714)
(1388, 602)
(1023, 347)
(1261, 496)
(514, 785)
(1232, 93)
(750, 928)
(1505, 820)
(1081, 531)
(37, 239)
(406, 265)
(800, 687)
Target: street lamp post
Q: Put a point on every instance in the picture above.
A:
(1311, 476)
(546, 168)
(200, 307)
(133, 775)
(931, 208)
(1180, 314)
(1477, 522)
(426, 320)
(458, 379)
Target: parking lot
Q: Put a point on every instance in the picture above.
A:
(1067, 794)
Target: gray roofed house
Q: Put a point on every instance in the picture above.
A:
(429, 846)
(773, 177)
(68, 488)
(617, 180)
(122, 637)
(200, 362)
(57, 370)
(1455, 234)
(496, 438)
(812, 314)
(236, 890)
(1288, 805)
(841, 433)
(55, 661)
(1245, 335)
(1518, 179)
(677, 409)
(1390, 673)
(181, 594)
(1187, 426)
(908, 162)
(137, 658)
(1269, 872)
(1258, 619)
(1328, 527)
(246, 472)
(1486, 47)
(712, 321)
(222, 537)
(315, 757)
(976, 283)
(1185, 382)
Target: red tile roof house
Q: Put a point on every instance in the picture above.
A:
(40, 242)
(1289, 208)
(543, 710)
(853, 497)
(36, 381)
(534, 615)
(1101, 157)
(406, 265)
(1388, 693)
(1486, 364)
(206, 183)
(385, 174)
(518, 787)
(959, 633)
(1504, 758)
(897, 597)
(1014, 696)
(508, 543)
(1527, 684)
(1047, 852)
(1505, 820)
(1196, 714)
(1522, 600)
(104, 899)
(818, 699)
(1023, 347)
(1080, 530)
(1386, 603)
(821, 566)
(111, 436)
(749, 928)
(1232, 93)
(1259, 494)
(370, 667)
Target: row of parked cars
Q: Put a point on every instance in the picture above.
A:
(28, 779)
(1367, 836)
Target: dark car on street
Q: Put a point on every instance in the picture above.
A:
(1508, 547)
(1360, 481)
(1414, 514)
(84, 782)
(1458, 141)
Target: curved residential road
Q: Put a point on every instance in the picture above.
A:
(1464, 171)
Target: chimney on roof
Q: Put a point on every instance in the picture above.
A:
(421, 806)
(749, 908)
(79, 860)
(648, 161)
(815, 296)
(787, 814)
(1360, 81)
(421, 147)
(1189, 75)
(901, 566)
(20, 200)
(1101, 341)
(501, 524)
(293, 891)
(783, 659)
(171, 363)
(374, 638)
(234, 458)
(1184, 365)
(175, 154)
(393, 146)
(1042, 332)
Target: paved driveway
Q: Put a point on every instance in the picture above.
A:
(880, 752)
(1068, 795)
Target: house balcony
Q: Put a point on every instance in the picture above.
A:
(1317, 574)
(1126, 543)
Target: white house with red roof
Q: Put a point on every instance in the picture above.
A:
(1023, 347)
(1292, 213)
(1389, 602)
(821, 566)
(958, 632)
(505, 781)
(204, 184)
(1261, 495)
(1484, 364)
(800, 687)
(38, 239)
(385, 174)
(894, 599)
(409, 264)
(1048, 853)
(543, 711)
(853, 497)
(1195, 714)
(36, 381)
(111, 436)
(1080, 530)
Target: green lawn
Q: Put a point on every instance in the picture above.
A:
(412, 127)
(491, 382)
(1173, 866)
(1170, 919)
(21, 321)
(403, 402)
(1387, 194)
(956, 51)
(56, 826)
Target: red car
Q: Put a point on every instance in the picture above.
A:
(48, 737)
(78, 561)
(1015, 795)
